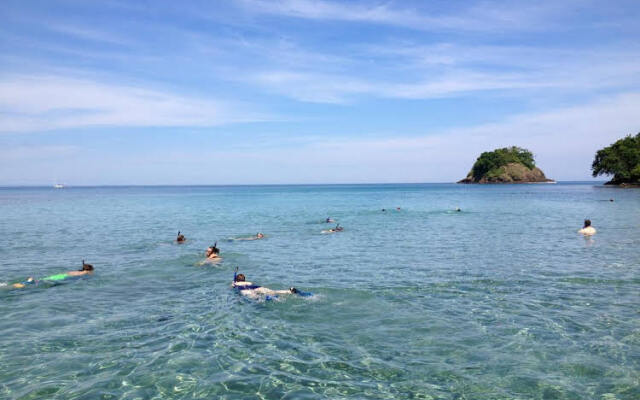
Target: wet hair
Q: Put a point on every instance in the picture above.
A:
(240, 278)
(86, 267)
(587, 222)
(214, 249)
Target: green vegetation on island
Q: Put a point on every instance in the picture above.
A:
(507, 165)
(621, 159)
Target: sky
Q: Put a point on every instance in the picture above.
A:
(301, 91)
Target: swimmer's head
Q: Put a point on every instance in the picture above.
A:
(180, 237)
(86, 267)
(259, 235)
(212, 249)
(587, 223)
(240, 278)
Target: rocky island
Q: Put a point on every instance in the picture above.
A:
(506, 165)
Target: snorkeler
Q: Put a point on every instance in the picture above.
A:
(338, 228)
(257, 236)
(181, 238)
(254, 291)
(86, 269)
(587, 229)
(213, 252)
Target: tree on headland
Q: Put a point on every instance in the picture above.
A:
(621, 159)
(492, 160)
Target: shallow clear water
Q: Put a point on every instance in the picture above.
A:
(502, 300)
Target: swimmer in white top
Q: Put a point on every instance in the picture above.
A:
(248, 289)
(587, 229)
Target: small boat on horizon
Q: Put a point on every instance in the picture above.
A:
(58, 186)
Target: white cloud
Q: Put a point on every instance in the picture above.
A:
(30, 103)
(18, 153)
(564, 142)
(481, 17)
(84, 33)
(321, 87)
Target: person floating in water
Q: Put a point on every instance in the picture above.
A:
(181, 238)
(85, 270)
(458, 209)
(250, 290)
(213, 252)
(329, 220)
(338, 228)
(257, 236)
(587, 229)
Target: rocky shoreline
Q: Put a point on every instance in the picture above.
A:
(512, 173)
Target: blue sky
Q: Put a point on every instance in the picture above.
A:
(299, 91)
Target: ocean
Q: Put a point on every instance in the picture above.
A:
(502, 300)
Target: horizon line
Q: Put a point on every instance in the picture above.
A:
(36, 186)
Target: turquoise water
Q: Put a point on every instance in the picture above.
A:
(501, 301)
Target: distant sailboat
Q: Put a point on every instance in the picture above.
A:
(58, 186)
